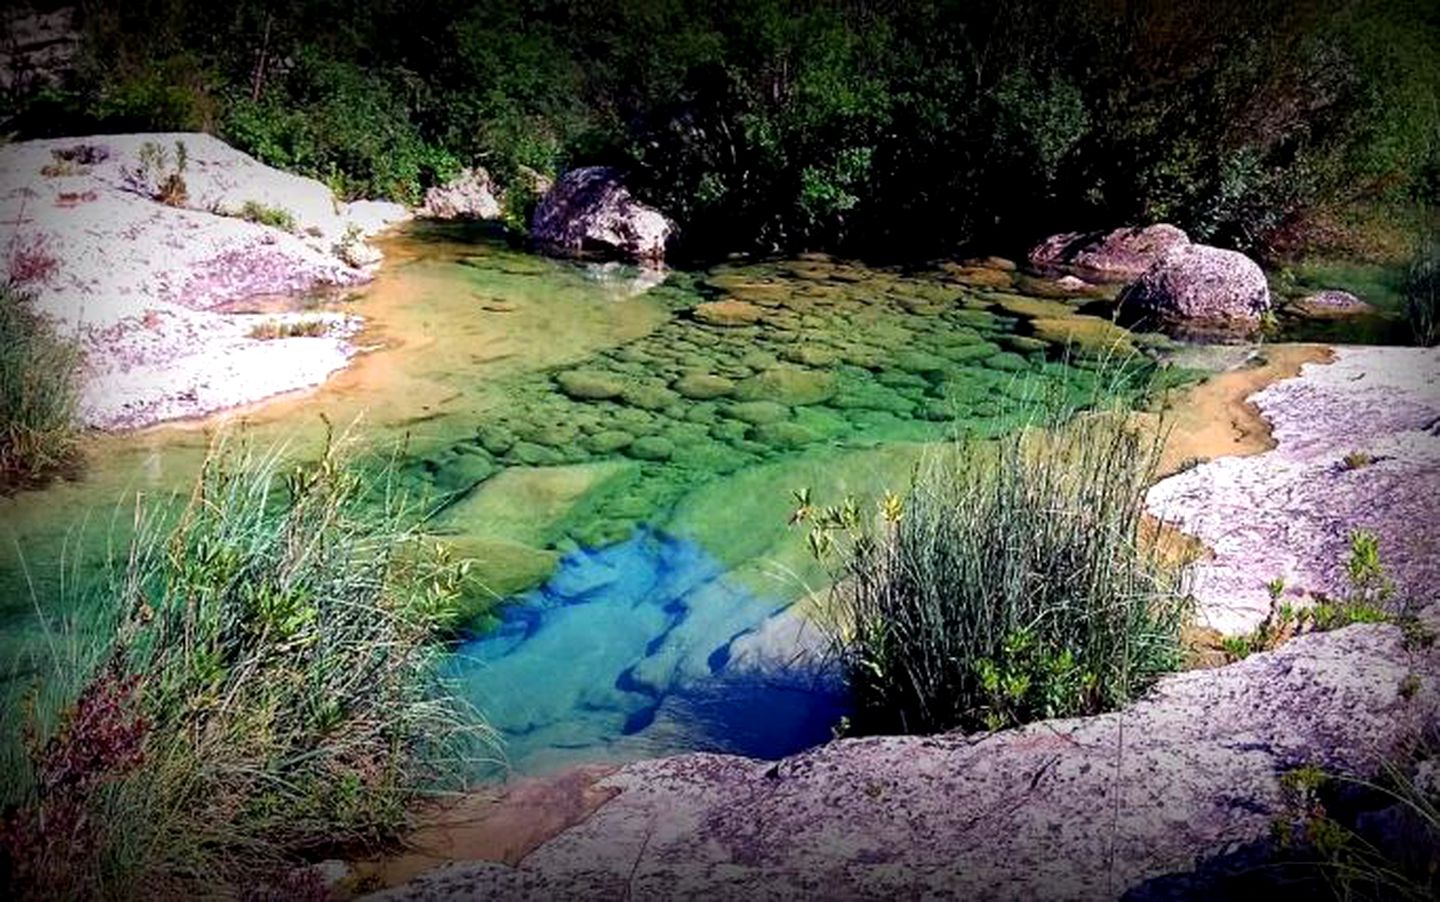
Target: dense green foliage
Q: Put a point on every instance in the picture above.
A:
(1011, 582)
(39, 387)
(254, 682)
(880, 127)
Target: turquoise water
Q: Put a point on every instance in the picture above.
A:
(627, 652)
(618, 465)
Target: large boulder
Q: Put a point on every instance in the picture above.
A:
(470, 195)
(1120, 254)
(1200, 287)
(590, 212)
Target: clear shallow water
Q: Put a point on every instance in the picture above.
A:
(621, 465)
(626, 652)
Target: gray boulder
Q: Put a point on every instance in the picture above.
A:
(590, 213)
(470, 195)
(1120, 254)
(1201, 287)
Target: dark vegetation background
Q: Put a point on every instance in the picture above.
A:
(876, 128)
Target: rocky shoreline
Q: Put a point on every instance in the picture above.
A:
(1086, 808)
(143, 246)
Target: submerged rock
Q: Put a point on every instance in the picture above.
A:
(729, 312)
(1201, 286)
(703, 386)
(1120, 254)
(590, 212)
(790, 386)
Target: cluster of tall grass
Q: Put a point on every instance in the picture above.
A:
(1422, 294)
(39, 390)
(255, 682)
(1012, 581)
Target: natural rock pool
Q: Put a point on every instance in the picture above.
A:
(618, 458)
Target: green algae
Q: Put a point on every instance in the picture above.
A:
(556, 414)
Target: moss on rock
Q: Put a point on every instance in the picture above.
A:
(789, 386)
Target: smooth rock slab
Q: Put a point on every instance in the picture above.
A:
(1289, 513)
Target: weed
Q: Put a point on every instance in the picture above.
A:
(1336, 851)
(30, 261)
(274, 217)
(1356, 460)
(155, 177)
(1238, 648)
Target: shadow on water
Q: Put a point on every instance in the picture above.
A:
(646, 648)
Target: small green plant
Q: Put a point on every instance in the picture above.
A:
(1236, 648)
(1356, 460)
(1369, 596)
(274, 217)
(155, 176)
(272, 329)
(1401, 863)
(39, 390)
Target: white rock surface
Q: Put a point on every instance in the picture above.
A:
(470, 195)
(137, 281)
(1289, 513)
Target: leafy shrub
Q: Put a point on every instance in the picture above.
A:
(1010, 582)
(39, 389)
(263, 687)
(274, 217)
(342, 124)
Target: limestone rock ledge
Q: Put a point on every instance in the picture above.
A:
(1357, 446)
(1071, 809)
(148, 288)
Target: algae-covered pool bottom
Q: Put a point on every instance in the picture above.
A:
(619, 464)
